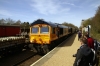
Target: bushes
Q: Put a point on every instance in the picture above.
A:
(95, 24)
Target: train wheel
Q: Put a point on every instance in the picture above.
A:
(44, 49)
(37, 48)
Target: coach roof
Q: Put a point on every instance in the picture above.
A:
(9, 25)
(62, 26)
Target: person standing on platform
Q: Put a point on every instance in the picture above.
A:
(84, 55)
(90, 41)
(79, 35)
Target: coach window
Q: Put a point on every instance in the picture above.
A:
(35, 29)
(53, 30)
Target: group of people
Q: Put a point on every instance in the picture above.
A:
(86, 54)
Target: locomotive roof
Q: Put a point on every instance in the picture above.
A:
(39, 21)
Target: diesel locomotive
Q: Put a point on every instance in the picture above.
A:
(46, 35)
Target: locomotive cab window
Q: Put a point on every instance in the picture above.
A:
(44, 29)
(35, 29)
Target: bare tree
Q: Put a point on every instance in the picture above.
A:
(17, 22)
(2, 21)
(9, 21)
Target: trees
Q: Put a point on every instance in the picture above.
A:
(96, 20)
(95, 24)
(9, 21)
(2, 21)
(86, 22)
(18, 22)
(70, 25)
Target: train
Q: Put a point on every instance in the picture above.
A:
(46, 35)
(9, 30)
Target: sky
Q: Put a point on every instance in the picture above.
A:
(57, 11)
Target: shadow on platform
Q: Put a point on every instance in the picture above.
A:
(69, 41)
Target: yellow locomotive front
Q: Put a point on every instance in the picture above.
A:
(40, 34)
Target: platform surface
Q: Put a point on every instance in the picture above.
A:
(61, 55)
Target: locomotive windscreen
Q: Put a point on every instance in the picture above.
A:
(35, 29)
(44, 29)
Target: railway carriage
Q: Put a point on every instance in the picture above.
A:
(9, 30)
(45, 35)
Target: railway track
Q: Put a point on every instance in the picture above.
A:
(35, 58)
(30, 61)
(24, 58)
(16, 59)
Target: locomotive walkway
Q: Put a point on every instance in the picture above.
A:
(61, 55)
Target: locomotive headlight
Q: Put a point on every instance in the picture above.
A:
(31, 41)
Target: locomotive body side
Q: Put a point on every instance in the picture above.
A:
(63, 30)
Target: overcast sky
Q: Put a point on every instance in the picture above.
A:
(58, 11)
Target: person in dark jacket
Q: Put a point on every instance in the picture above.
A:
(79, 35)
(84, 54)
(90, 41)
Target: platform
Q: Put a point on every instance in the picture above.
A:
(61, 55)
